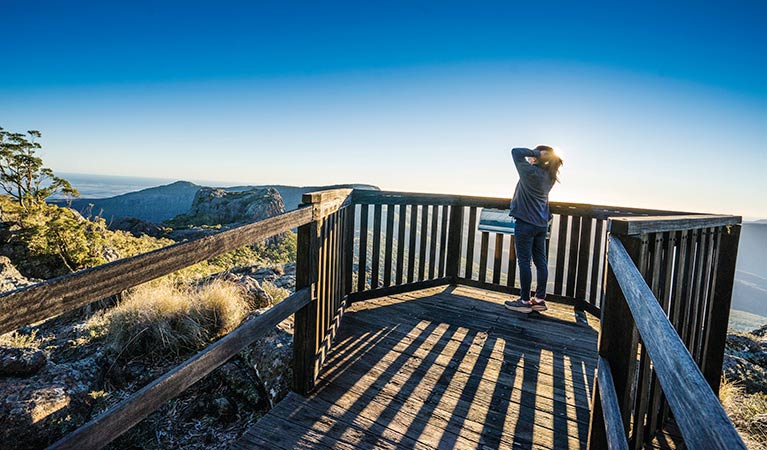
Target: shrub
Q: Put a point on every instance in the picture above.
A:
(161, 317)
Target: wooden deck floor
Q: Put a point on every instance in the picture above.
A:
(444, 368)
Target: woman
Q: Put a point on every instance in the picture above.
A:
(538, 171)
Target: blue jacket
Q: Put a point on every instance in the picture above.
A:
(531, 197)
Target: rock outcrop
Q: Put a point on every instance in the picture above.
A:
(16, 361)
(271, 358)
(10, 278)
(137, 227)
(745, 360)
(281, 276)
(214, 206)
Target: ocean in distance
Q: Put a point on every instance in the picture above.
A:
(103, 186)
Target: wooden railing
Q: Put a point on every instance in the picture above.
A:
(409, 241)
(663, 328)
(356, 245)
(321, 286)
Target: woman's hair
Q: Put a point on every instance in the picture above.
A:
(549, 161)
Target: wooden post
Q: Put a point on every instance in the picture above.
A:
(454, 243)
(618, 340)
(305, 344)
(716, 334)
(597, 438)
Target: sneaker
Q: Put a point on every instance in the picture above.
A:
(538, 304)
(519, 305)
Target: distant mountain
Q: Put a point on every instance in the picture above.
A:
(153, 204)
(161, 203)
(750, 290)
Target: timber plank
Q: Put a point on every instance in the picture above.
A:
(529, 387)
(444, 368)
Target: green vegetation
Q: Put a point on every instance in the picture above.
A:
(22, 175)
(48, 240)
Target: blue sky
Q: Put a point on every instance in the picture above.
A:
(653, 104)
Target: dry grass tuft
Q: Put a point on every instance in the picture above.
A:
(160, 317)
(748, 412)
(277, 294)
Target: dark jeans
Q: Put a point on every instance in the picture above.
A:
(530, 243)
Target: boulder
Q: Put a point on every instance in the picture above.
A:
(281, 276)
(271, 358)
(745, 361)
(36, 410)
(137, 227)
(10, 278)
(15, 361)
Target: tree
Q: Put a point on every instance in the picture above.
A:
(22, 175)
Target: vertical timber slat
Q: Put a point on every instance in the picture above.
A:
(559, 271)
(485, 240)
(454, 238)
(389, 244)
(498, 260)
(470, 243)
(713, 353)
(375, 267)
(400, 244)
(362, 270)
(443, 242)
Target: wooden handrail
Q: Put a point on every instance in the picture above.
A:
(574, 209)
(118, 419)
(633, 226)
(699, 415)
(324, 203)
(59, 295)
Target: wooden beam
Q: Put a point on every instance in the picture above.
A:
(572, 209)
(655, 224)
(306, 330)
(116, 420)
(454, 239)
(325, 203)
(606, 428)
(713, 348)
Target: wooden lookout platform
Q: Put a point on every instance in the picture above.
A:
(401, 339)
(444, 368)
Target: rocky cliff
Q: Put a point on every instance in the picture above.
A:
(214, 206)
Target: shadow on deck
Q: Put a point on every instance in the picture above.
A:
(446, 367)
